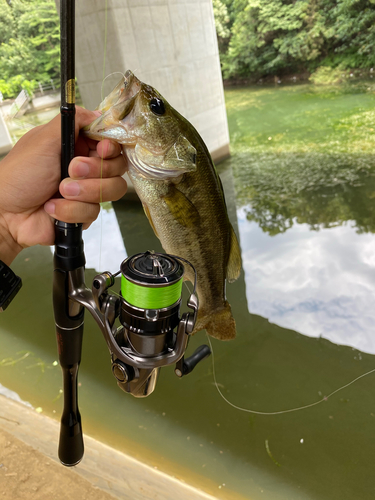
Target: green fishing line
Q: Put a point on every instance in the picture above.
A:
(146, 297)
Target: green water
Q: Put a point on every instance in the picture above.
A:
(303, 210)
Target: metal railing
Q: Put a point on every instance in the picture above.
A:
(42, 88)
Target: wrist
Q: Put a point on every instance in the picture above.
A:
(9, 248)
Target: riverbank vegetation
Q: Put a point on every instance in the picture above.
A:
(260, 39)
(331, 39)
(29, 44)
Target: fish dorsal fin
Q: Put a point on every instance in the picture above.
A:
(181, 155)
(234, 261)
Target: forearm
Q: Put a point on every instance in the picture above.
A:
(9, 249)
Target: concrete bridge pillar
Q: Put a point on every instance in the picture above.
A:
(5, 139)
(169, 44)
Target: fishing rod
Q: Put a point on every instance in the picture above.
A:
(142, 325)
(68, 257)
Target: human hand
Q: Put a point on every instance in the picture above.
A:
(30, 179)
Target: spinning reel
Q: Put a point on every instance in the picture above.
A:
(152, 334)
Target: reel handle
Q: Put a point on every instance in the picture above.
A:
(186, 366)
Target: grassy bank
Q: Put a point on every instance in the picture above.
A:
(299, 150)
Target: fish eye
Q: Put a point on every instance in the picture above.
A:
(157, 106)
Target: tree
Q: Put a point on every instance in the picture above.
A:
(351, 34)
(284, 36)
(29, 43)
(6, 22)
(221, 23)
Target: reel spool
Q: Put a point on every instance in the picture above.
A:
(151, 287)
(152, 333)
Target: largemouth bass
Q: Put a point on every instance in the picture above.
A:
(181, 192)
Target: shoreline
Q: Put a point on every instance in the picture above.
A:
(29, 467)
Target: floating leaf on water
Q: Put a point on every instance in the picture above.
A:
(13, 361)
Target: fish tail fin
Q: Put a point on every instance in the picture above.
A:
(219, 324)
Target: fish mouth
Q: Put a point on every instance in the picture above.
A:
(115, 107)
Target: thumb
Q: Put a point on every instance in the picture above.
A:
(84, 117)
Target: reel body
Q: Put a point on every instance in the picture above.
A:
(151, 287)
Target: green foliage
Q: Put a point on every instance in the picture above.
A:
(283, 36)
(29, 44)
(325, 75)
(221, 23)
(6, 22)
(12, 86)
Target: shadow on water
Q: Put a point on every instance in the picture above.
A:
(185, 428)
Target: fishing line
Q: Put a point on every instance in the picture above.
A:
(146, 297)
(104, 78)
(101, 158)
(247, 410)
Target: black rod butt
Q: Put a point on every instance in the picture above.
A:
(71, 442)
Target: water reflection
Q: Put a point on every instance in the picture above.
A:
(104, 245)
(307, 224)
(319, 283)
(19, 126)
(321, 190)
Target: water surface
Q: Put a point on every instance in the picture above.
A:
(303, 209)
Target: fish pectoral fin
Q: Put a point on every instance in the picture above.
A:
(181, 208)
(148, 215)
(234, 261)
(181, 155)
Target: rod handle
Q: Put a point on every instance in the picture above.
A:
(71, 447)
